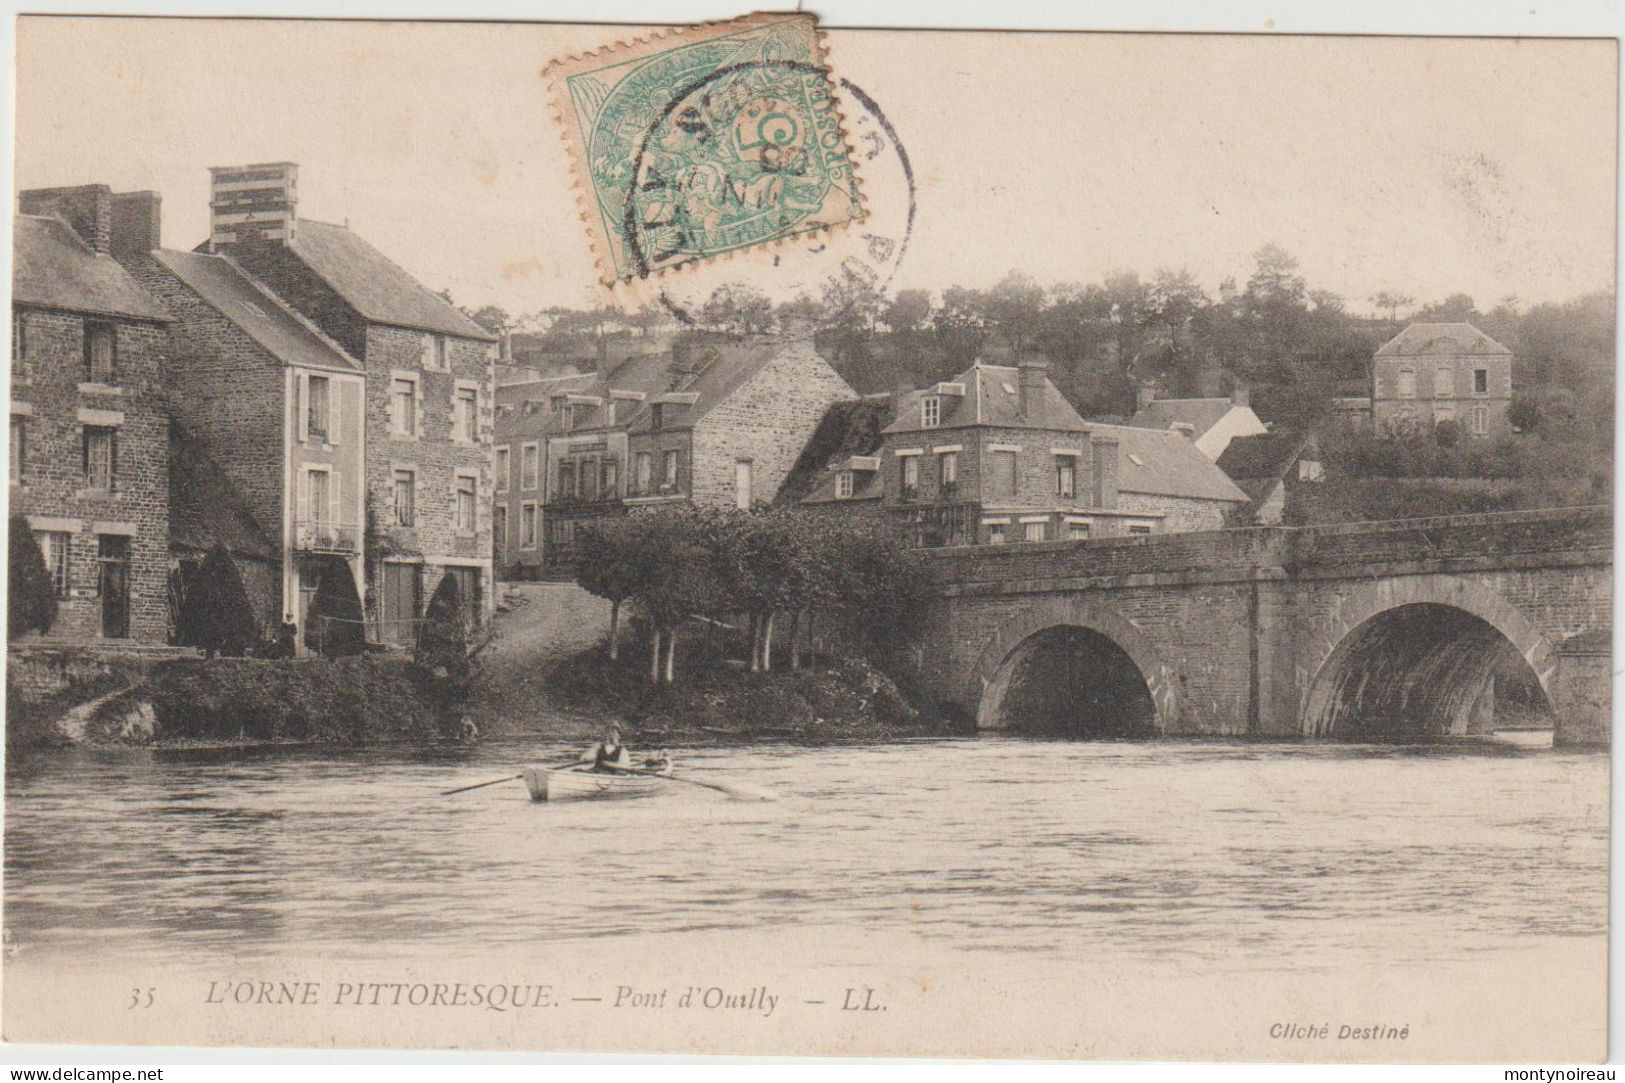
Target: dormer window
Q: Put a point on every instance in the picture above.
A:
(567, 417)
(930, 411)
(843, 485)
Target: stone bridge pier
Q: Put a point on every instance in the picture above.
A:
(1390, 630)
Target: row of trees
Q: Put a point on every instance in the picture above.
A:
(685, 563)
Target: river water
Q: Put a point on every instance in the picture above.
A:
(1226, 856)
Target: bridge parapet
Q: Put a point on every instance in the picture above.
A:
(1582, 534)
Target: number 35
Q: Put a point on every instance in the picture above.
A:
(142, 998)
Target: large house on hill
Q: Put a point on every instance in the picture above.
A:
(428, 401)
(998, 455)
(89, 429)
(1433, 372)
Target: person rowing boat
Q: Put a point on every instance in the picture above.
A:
(608, 754)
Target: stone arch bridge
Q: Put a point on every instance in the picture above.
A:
(1354, 630)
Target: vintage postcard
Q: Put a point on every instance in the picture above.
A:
(768, 538)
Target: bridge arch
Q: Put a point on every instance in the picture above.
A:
(1071, 623)
(1411, 656)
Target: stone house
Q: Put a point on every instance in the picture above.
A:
(429, 393)
(712, 423)
(1209, 423)
(273, 402)
(998, 455)
(1433, 372)
(526, 414)
(89, 430)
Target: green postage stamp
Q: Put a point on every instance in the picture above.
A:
(701, 142)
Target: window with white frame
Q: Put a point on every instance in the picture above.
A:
(565, 487)
(996, 533)
(100, 457)
(1077, 530)
(403, 406)
(465, 414)
(930, 412)
(501, 470)
(530, 457)
(466, 501)
(1444, 379)
(406, 497)
(1481, 420)
(669, 471)
(527, 525)
(434, 352)
(1407, 383)
(843, 485)
(1140, 528)
(499, 524)
(317, 408)
(54, 546)
(644, 466)
(1066, 476)
(318, 497)
(911, 474)
(1033, 532)
(948, 468)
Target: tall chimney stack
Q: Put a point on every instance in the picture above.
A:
(253, 202)
(1241, 396)
(1104, 449)
(137, 223)
(86, 208)
(1145, 395)
(1032, 373)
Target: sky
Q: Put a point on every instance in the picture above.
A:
(1422, 166)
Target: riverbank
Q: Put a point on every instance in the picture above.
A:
(833, 700)
(347, 701)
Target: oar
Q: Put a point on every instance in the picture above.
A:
(481, 785)
(741, 791)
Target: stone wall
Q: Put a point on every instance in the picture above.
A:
(54, 403)
(768, 420)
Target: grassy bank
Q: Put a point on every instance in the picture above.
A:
(361, 700)
(845, 699)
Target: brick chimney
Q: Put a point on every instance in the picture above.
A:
(86, 208)
(137, 223)
(900, 392)
(505, 346)
(1032, 373)
(1144, 396)
(253, 202)
(1241, 396)
(1104, 450)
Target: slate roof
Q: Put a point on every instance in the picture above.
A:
(54, 268)
(1442, 340)
(730, 366)
(992, 397)
(375, 286)
(1266, 455)
(288, 336)
(205, 507)
(847, 428)
(1161, 462)
(1200, 414)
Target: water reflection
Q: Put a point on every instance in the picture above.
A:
(1238, 855)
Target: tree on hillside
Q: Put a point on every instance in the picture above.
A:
(908, 312)
(737, 310)
(1391, 301)
(1012, 309)
(30, 598)
(219, 608)
(494, 318)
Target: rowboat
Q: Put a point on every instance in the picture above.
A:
(583, 783)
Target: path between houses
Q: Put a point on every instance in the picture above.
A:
(548, 622)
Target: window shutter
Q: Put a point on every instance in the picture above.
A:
(334, 503)
(301, 405)
(112, 458)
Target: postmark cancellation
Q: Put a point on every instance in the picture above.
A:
(702, 142)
